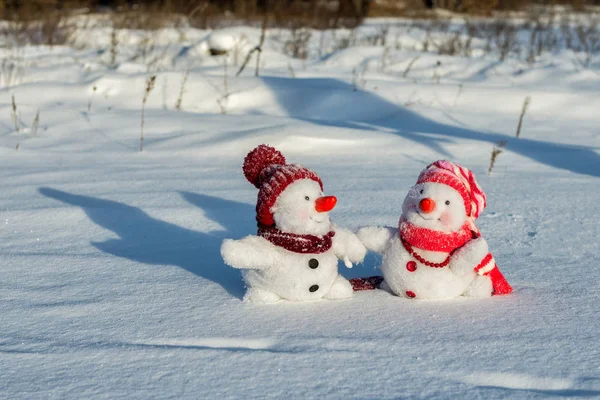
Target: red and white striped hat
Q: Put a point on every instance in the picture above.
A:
(266, 168)
(463, 181)
(460, 179)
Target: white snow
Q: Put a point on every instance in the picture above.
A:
(112, 284)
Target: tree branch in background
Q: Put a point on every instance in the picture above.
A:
(258, 49)
(262, 41)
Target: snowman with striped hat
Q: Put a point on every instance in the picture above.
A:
(437, 250)
(294, 255)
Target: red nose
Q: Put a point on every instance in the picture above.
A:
(427, 205)
(324, 204)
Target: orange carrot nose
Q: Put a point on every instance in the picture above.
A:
(427, 205)
(324, 204)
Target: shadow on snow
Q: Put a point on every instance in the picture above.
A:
(345, 108)
(148, 240)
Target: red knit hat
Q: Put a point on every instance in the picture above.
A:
(266, 168)
(460, 179)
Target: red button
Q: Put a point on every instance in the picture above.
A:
(410, 294)
(411, 266)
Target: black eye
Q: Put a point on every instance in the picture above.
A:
(421, 191)
(306, 198)
(447, 202)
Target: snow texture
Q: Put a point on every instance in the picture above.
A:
(112, 284)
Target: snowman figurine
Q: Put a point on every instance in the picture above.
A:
(295, 254)
(437, 251)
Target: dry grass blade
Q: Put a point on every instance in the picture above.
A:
(523, 111)
(149, 87)
(114, 42)
(14, 115)
(257, 49)
(91, 97)
(291, 70)
(409, 66)
(11, 71)
(460, 90)
(358, 78)
(263, 33)
(36, 123)
(182, 90)
(496, 151)
(224, 99)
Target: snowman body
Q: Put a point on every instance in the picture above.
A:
(293, 276)
(273, 272)
(432, 208)
(406, 276)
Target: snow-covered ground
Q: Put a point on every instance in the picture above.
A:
(112, 284)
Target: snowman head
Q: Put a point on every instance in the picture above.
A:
(434, 206)
(302, 209)
(445, 197)
(290, 196)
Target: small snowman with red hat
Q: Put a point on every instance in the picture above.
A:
(437, 250)
(295, 254)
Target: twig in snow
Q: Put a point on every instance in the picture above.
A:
(358, 78)
(149, 86)
(321, 43)
(90, 100)
(436, 76)
(523, 111)
(460, 89)
(36, 123)
(292, 73)
(247, 59)
(182, 90)
(496, 151)
(224, 99)
(409, 66)
(384, 58)
(225, 76)
(263, 32)
(15, 117)
(257, 49)
(11, 71)
(114, 42)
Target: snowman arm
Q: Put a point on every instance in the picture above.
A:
(465, 259)
(251, 252)
(347, 245)
(376, 238)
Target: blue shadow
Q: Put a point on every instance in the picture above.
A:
(343, 107)
(148, 240)
(239, 222)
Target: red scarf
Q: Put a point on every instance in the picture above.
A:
(430, 240)
(303, 244)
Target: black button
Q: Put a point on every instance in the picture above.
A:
(313, 288)
(313, 263)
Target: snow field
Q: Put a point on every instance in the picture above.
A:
(112, 283)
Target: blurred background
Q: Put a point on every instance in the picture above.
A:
(313, 13)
